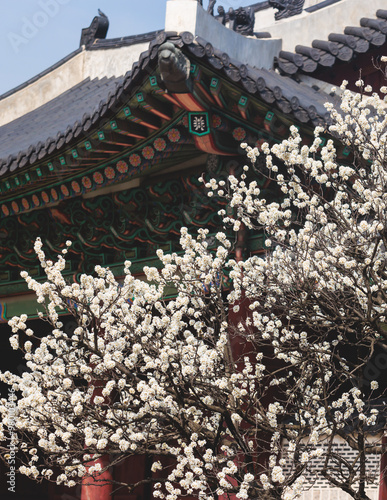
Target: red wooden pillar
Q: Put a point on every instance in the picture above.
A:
(238, 345)
(383, 471)
(96, 489)
(100, 487)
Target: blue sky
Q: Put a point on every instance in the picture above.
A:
(35, 34)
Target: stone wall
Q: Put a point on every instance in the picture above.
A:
(320, 488)
(334, 494)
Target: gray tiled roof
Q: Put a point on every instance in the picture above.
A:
(80, 109)
(371, 34)
(55, 116)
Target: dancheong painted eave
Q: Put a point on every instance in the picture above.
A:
(108, 139)
(75, 114)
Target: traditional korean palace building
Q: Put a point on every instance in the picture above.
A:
(105, 147)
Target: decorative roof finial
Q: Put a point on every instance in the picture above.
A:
(242, 20)
(287, 8)
(210, 8)
(98, 29)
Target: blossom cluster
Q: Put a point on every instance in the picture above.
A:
(244, 387)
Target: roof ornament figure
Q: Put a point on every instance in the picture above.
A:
(210, 8)
(98, 29)
(287, 8)
(221, 17)
(174, 68)
(242, 20)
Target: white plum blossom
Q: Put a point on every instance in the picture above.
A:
(241, 382)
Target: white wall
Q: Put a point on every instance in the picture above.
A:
(188, 15)
(88, 63)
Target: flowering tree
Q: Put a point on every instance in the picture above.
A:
(230, 390)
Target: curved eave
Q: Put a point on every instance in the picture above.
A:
(49, 148)
(339, 48)
(299, 102)
(140, 109)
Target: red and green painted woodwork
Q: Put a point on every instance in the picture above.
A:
(194, 133)
(149, 131)
(109, 229)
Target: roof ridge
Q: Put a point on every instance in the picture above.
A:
(288, 95)
(370, 34)
(41, 74)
